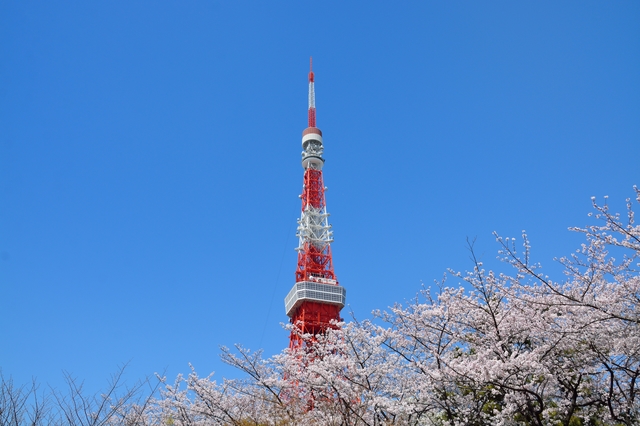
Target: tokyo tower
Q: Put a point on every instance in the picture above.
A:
(316, 298)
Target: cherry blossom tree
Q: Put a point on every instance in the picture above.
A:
(500, 348)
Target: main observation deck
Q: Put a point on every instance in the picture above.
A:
(332, 294)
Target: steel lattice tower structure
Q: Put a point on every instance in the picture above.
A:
(316, 298)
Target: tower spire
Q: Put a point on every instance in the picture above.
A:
(312, 96)
(316, 298)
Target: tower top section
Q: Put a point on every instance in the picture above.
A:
(312, 136)
(312, 96)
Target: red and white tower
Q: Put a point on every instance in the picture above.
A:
(316, 298)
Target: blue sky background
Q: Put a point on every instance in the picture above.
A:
(150, 160)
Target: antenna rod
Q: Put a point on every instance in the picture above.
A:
(312, 96)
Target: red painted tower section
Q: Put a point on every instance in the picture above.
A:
(316, 298)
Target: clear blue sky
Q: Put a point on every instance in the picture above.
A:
(150, 160)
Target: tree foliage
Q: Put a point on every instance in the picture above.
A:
(504, 348)
(500, 348)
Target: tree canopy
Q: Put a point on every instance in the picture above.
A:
(512, 347)
(505, 348)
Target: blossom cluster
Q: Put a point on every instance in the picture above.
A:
(501, 348)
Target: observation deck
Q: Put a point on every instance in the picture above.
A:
(331, 293)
